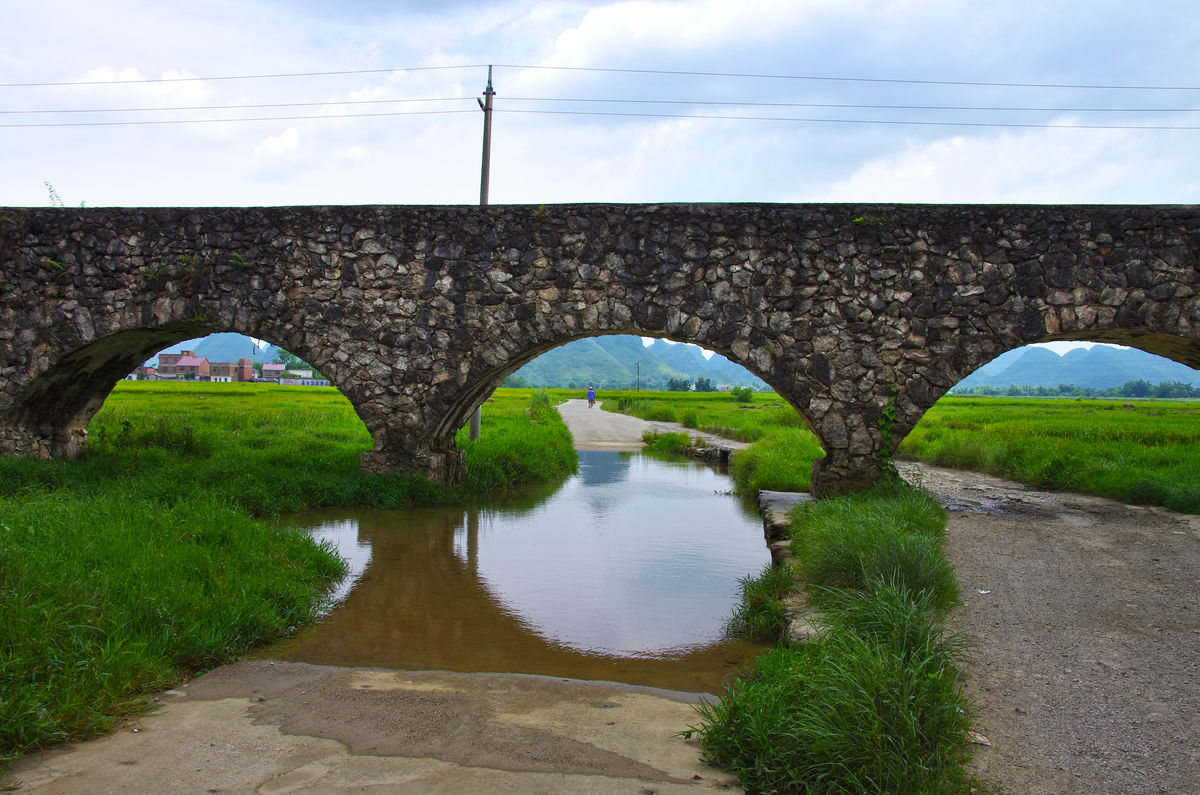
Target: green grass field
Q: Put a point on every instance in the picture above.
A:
(1138, 451)
(143, 563)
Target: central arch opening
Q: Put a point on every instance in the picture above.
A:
(628, 571)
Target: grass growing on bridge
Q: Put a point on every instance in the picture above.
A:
(143, 563)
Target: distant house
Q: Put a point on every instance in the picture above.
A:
(192, 368)
(273, 372)
(145, 373)
(168, 363)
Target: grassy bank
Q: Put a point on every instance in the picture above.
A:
(1138, 451)
(873, 703)
(783, 448)
(143, 563)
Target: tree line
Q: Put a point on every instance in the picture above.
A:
(1135, 389)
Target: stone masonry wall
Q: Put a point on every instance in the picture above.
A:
(417, 313)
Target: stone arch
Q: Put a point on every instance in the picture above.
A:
(792, 382)
(1167, 328)
(50, 415)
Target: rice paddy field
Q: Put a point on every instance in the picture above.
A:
(1138, 451)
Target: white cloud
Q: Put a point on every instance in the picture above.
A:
(278, 145)
(1039, 166)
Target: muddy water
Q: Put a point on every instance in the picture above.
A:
(625, 573)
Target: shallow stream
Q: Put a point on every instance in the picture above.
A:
(625, 573)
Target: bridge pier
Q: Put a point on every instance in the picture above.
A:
(839, 472)
(440, 466)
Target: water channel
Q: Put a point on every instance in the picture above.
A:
(625, 573)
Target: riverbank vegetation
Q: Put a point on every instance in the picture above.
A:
(1143, 451)
(1138, 451)
(143, 563)
(873, 702)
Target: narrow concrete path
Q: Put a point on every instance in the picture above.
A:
(263, 727)
(596, 429)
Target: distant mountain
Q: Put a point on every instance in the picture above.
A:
(1098, 367)
(223, 347)
(615, 361)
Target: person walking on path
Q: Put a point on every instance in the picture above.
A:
(591, 397)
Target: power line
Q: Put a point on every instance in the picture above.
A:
(850, 106)
(853, 121)
(887, 80)
(238, 77)
(147, 122)
(669, 72)
(700, 102)
(239, 107)
(618, 114)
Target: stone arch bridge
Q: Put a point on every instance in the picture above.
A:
(417, 313)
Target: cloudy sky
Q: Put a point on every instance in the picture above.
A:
(999, 101)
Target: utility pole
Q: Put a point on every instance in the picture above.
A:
(485, 105)
(485, 170)
(637, 366)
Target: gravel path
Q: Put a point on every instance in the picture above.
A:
(1086, 614)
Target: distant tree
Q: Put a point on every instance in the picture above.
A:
(517, 381)
(705, 385)
(1139, 388)
(742, 394)
(678, 385)
(291, 361)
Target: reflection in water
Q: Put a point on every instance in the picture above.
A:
(626, 573)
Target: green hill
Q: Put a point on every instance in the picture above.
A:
(615, 361)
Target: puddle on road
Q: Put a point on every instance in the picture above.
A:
(626, 573)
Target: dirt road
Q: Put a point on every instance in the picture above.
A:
(1086, 614)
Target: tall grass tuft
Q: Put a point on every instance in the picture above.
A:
(522, 444)
(781, 460)
(670, 442)
(871, 705)
(891, 535)
(141, 564)
(105, 596)
(873, 702)
(760, 615)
